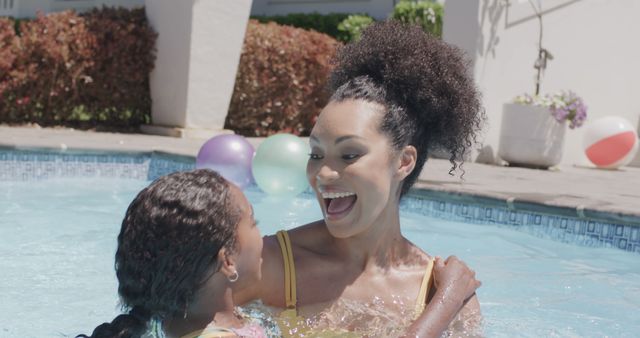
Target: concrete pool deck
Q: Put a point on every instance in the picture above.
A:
(615, 192)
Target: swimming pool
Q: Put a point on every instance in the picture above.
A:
(58, 235)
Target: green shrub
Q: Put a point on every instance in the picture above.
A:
(281, 78)
(427, 14)
(69, 68)
(354, 25)
(323, 23)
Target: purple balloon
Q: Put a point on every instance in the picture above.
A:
(230, 156)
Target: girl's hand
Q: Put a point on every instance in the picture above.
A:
(456, 285)
(454, 280)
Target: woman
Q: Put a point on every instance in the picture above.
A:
(187, 242)
(397, 94)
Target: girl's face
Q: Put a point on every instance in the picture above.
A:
(248, 255)
(351, 166)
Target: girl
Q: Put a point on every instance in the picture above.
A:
(397, 94)
(187, 242)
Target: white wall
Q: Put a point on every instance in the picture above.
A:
(594, 44)
(378, 9)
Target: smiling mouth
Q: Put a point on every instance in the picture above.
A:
(338, 205)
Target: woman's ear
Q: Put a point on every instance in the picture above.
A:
(227, 263)
(407, 161)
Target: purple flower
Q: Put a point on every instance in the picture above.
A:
(564, 106)
(569, 106)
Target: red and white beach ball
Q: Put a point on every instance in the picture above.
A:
(610, 142)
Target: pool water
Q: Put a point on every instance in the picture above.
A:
(58, 239)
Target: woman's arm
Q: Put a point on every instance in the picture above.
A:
(456, 285)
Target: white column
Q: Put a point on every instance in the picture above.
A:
(198, 50)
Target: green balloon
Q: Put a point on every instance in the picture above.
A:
(280, 165)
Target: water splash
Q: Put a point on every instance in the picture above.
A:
(348, 318)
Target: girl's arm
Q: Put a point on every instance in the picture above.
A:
(456, 285)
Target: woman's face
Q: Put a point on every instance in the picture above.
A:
(248, 255)
(351, 166)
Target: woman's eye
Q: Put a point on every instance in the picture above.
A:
(313, 156)
(350, 157)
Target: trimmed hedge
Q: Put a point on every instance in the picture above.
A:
(323, 23)
(9, 50)
(280, 84)
(77, 69)
(123, 62)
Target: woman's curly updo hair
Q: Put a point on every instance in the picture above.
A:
(168, 244)
(430, 100)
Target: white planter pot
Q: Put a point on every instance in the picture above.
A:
(530, 136)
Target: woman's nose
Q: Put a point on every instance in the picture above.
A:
(327, 174)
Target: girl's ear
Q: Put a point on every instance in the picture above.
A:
(227, 262)
(407, 161)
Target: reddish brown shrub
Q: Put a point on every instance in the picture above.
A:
(55, 54)
(8, 54)
(280, 84)
(119, 89)
(69, 68)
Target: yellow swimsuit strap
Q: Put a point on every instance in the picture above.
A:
(427, 281)
(289, 270)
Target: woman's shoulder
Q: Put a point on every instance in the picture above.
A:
(306, 237)
(303, 239)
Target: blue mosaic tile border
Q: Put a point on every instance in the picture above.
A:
(27, 165)
(566, 229)
(31, 165)
(162, 164)
(43, 164)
